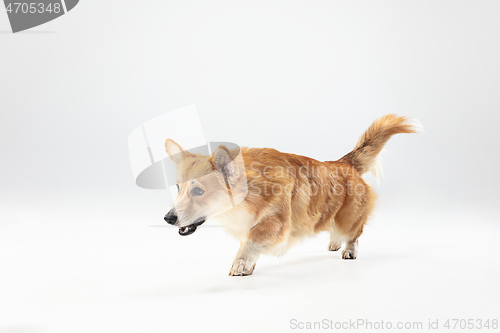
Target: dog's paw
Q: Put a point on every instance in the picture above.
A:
(348, 254)
(350, 251)
(242, 267)
(333, 247)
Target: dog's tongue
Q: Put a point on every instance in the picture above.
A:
(185, 231)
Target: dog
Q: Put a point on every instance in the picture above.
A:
(281, 198)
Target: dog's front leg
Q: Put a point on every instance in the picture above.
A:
(263, 236)
(246, 257)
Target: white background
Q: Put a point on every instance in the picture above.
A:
(82, 249)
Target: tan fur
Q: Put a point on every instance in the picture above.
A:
(363, 156)
(285, 197)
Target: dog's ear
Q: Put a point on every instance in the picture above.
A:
(175, 151)
(221, 159)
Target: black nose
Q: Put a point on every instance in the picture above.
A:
(170, 218)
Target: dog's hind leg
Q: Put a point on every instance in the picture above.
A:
(351, 247)
(352, 217)
(335, 241)
(351, 250)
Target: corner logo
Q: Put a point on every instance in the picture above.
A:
(28, 14)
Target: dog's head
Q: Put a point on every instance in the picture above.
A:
(202, 184)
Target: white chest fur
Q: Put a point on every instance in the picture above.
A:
(237, 221)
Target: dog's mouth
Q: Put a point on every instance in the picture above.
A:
(188, 230)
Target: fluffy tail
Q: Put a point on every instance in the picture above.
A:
(364, 155)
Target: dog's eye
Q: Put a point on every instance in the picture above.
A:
(177, 187)
(197, 191)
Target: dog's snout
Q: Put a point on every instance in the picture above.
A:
(171, 217)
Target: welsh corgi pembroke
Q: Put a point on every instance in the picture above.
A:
(280, 198)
